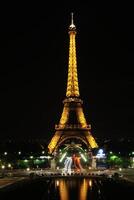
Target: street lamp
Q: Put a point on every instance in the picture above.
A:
(28, 169)
(31, 157)
(9, 165)
(3, 167)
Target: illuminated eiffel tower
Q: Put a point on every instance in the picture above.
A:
(72, 124)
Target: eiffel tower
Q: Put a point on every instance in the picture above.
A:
(72, 123)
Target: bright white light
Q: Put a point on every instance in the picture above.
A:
(31, 157)
(5, 153)
(57, 183)
(19, 152)
(9, 165)
(25, 160)
(43, 152)
(120, 169)
(42, 157)
(72, 26)
(48, 157)
(100, 151)
(3, 166)
(90, 183)
(100, 154)
(63, 156)
(28, 169)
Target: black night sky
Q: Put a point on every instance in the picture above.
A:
(34, 62)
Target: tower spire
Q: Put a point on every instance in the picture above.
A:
(72, 16)
(72, 82)
(72, 26)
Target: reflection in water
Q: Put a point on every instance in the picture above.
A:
(63, 190)
(70, 188)
(83, 190)
(90, 183)
(57, 183)
(73, 188)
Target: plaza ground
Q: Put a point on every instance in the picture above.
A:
(19, 175)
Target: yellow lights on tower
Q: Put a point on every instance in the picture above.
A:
(64, 116)
(72, 83)
(53, 143)
(72, 122)
(92, 141)
(81, 117)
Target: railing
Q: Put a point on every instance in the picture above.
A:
(73, 126)
(73, 99)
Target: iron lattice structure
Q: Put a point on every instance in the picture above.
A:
(72, 122)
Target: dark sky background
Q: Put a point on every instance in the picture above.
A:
(34, 62)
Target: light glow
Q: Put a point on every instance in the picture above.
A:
(63, 156)
(9, 165)
(72, 83)
(72, 94)
(84, 190)
(31, 157)
(92, 141)
(57, 183)
(84, 158)
(100, 154)
(53, 143)
(90, 183)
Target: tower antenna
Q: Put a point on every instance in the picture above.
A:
(72, 26)
(72, 18)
